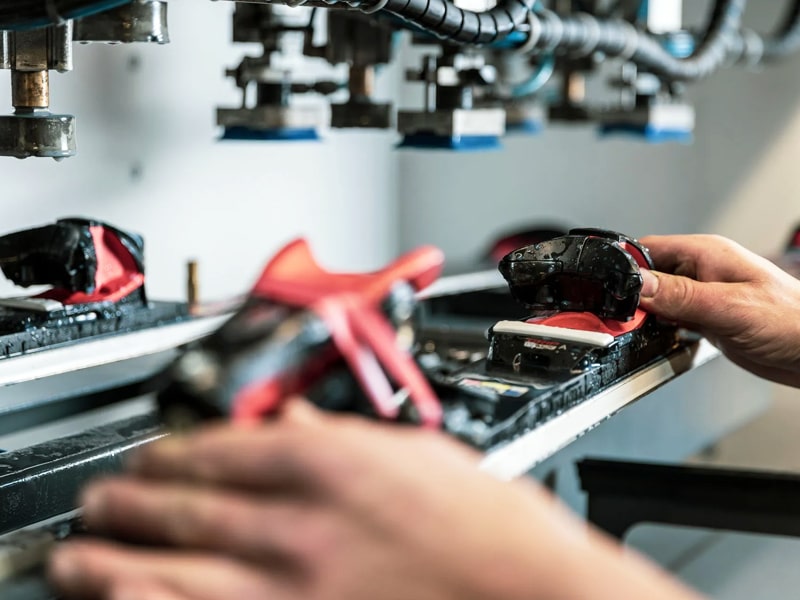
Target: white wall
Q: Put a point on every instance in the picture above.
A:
(148, 161)
(749, 148)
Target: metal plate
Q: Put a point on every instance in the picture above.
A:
(40, 135)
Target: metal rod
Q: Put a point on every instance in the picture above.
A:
(30, 89)
(362, 81)
(192, 283)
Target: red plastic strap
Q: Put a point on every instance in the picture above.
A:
(349, 303)
(637, 254)
(293, 276)
(258, 399)
(359, 356)
(506, 246)
(261, 398)
(117, 273)
(371, 326)
(586, 321)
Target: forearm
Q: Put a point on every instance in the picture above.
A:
(597, 568)
(561, 557)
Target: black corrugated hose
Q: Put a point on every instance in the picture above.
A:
(581, 33)
(723, 40)
(444, 19)
(24, 14)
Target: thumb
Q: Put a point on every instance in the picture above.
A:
(300, 410)
(678, 298)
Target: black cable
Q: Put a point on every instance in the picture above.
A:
(786, 40)
(717, 15)
(310, 26)
(722, 42)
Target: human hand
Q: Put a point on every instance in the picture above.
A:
(744, 304)
(325, 507)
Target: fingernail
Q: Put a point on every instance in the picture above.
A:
(93, 502)
(649, 284)
(65, 567)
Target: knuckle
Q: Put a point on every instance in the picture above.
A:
(715, 240)
(192, 519)
(675, 296)
(684, 292)
(317, 538)
(289, 457)
(714, 250)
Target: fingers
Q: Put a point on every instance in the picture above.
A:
(154, 512)
(89, 570)
(263, 457)
(712, 306)
(302, 452)
(706, 258)
(667, 253)
(137, 590)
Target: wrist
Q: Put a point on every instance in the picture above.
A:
(600, 568)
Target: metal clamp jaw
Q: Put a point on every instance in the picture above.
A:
(273, 115)
(363, 43)
(450, 118)
(32, 130)
(139, 21)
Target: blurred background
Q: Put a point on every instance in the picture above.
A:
(150, 161)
